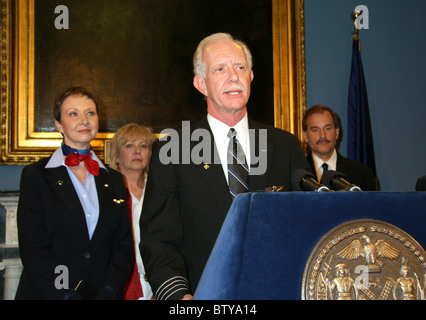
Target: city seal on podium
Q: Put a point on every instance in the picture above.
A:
(365, 260)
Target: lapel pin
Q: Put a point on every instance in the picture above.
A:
(60, 182)
(275, 188)
(106, 185)
(118, 201)
(206, 166)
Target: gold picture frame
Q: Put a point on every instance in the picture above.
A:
(21, 144)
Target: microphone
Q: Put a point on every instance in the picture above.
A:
(337, 181)
(305, 181)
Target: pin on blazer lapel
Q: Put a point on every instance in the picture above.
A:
(215, 180)
(107, 206)
(110, 203)
(62, 186)
(212, 172)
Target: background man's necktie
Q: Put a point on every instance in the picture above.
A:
(324, 168)
(237, 166)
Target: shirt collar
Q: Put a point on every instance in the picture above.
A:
(332, 162)
(220, 130)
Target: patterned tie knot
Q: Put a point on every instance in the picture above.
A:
(232, 133)
(235, 150)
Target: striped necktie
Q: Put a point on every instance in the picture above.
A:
(237, 166)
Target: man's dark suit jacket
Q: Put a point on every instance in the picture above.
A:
(186, 204)
(356, 172)
(52, 232)
(421, 184)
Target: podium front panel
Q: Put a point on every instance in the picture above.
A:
(267, 238)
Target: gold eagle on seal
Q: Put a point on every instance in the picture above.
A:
(370, 251)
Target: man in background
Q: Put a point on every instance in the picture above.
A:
(321, 130)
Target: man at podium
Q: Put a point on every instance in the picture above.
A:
(186, 202)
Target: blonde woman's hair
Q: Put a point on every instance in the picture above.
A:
(125, 134)
(199, 65)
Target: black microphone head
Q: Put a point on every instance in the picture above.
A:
(337, 181)
(304, 180)
(297, 177)
(328, 175)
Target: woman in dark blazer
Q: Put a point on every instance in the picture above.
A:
(75, 235)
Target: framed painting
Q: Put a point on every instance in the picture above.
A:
(136, 57)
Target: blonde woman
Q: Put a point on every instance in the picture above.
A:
(129, 154)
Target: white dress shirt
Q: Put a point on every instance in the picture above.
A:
(318, 162)
(136, 214)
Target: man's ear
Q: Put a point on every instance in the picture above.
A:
(200, 84)
(305, 136)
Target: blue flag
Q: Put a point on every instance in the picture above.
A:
(360, 137)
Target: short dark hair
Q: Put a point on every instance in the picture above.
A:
(319, 108)
(73, 91)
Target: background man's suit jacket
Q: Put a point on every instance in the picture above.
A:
(52, 232)
(356, 172)
(185, 205)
